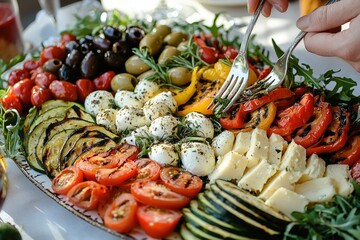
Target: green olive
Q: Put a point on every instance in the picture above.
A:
(145, 75)
(162, 30)
(134, 65)
(180, 75)
(169, 51)
(152, 42)
(123, 81)
(183, 45)
(174, 38)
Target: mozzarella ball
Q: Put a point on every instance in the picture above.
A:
(107, 118)
(97, 101)
(161, 105)
(125, 98)
(223, 143)
(164, 127)
(197, 158)
(145, 90)
(201, 124)
(165, 154)
(130, 118)
(141, 132)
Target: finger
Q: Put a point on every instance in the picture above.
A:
(328, 17)
(266, 11)
(280, 5)
(252, 4)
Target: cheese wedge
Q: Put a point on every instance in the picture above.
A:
(317, 190)
(340, 173)
(280, 179)
(294, 161)
(277, 146)
(242, 142)
(259, 147)
(315, 168)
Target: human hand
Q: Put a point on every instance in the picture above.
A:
(325, 36)
(280, 5)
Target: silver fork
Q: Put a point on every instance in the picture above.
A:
(277, 74)
(238, 76)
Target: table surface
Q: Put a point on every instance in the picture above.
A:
(39, 217)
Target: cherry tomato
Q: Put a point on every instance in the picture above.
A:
(17, 75)
(157, 222)
(181, 181)
(209, 54)
(52, 52)
(158, 195)
(67, 37)
(116, 176)
(31, 64)
(11, 101)
(63, 90)
(84, 88)
(87, 194)
(40, 95)
(66, 179)
(44, 79)
(35, 72)
(22, 89)
(230, 52)
(121, 214)
(103, 82)
(104, 203)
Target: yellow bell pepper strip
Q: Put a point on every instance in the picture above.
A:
(261, 118)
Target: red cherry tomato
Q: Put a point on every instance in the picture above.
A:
(87, 194)
(17, 75)
(31, 64)
(63, 90)
(44, 79)
(35, 72)
(103, 82)
(66, 179)
(181, 181)
(114, 192)
(121, 214)
(157, 222)
(11, 101)
(40, 95)
(22, 89)
(158, 195)
(52, 52)
(230, 52)
(209, 54)
(84, 88)
(67, 37)
(116, 176)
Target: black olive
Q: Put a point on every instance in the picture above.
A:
(86, 47)
(112, 33)
(67, 73)
(90, 65)
(134, 34)
(52, 66)
(123, 48)
(114, 60)
(86, 39)
(71, 45)
(101, 44)
(74, 59)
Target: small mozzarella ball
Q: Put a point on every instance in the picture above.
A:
(145, 90)
(125, 98)
(98, 100)
(130, 118)
(165, 154)
(141, 132)
(161, 105)
(164, 127)
(107, 118)
(223, 143)
(201, 124)
(197, 158)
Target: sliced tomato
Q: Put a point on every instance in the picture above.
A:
(158, 195)
(116, 176)
(121, 214)
(66, 179)
(87, 194)
(147, 170)
(157, 222)
(181, 181)
(350, 153)
(336, 134)
(312, 131)
(104, 203)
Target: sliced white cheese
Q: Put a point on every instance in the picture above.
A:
(242, 142)
(277, 147)
(287, 201)
(280, 179)
(317, 190)
(259, 147)
(340, 173)
(315, 168)
(231, 167)
(255, 178)
(294, 161)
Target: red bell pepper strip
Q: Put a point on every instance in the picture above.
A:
(234, 119)
(350, 153)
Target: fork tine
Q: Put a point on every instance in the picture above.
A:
(222, 89)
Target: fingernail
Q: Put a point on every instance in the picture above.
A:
(303, 23)
(278, 7)
(264, 13)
